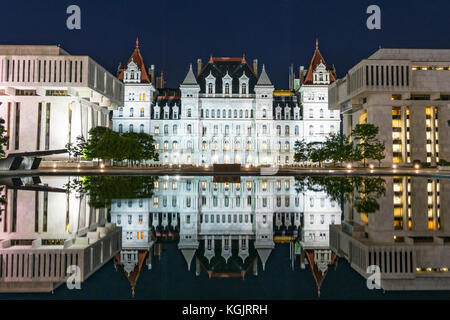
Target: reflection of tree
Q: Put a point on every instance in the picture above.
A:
(364, 190)
(102, 189)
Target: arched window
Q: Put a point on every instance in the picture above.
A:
(175, 129)
(227, 88)
(189, 145)
(189, 129)
(120, 128)
(332, 129)
(264, 113)
(251, 114)
(227, 129)
(166, 145)
(142, 112)
(229, 113)
(120, 112)
(224, 113)
(141, 128)
(286, 130)
(311, 113)
(207, 113)
(131, 112)
(311, 130)
(278, 130)
(189, 113)
(244, 88)
(321, 113)
(210, 88)
(246, 113)
(166, 129)
(241, 113)
(296, 130)
(131, 128)
(218, 113)
(235, 113)
(264, 129)
(286, 146)
(174, 145)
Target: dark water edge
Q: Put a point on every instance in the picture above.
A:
(169, 279)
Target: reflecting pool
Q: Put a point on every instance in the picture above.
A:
(238, 237)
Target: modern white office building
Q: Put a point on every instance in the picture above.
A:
(49, 97)
(406, 93)
(48, 235)
(407, 238)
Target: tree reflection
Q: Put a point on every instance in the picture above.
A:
(364, 191)
(102, 189)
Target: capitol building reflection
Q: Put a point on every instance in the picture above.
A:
(224, 227)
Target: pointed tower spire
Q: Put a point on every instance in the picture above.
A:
(137, 42)
(317, 44)
(264, 78)
(243, 58)
(190, 78)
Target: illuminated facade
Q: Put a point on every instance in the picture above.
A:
(224, 227)
(227, 113)
(49, 97)
(406, 93)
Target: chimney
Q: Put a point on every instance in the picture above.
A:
(255, 66)
(301, 75)
(160, 82)
(199, 66)
(151, 71)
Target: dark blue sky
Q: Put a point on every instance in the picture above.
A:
(175, 33)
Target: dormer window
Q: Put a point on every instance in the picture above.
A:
(243, 84)
(226, 80)
(321, 75)
(210, 84)
(132, 73)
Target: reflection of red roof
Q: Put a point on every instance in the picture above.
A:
(137, 58)
(318, 276)
(134, 275)
(213, 274)
(315, 61)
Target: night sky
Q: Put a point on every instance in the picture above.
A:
(173, 33)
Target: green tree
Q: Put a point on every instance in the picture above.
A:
(317, 152)
(367, 146)
(339, 148)
(3, 138)
(301, 151)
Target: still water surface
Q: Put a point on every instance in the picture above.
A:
(175, 237)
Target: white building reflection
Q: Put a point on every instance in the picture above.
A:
(44, 230)
(225, 226)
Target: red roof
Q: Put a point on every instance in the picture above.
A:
(318, 276)
(219, 59)
(137, 58)
(315, 61)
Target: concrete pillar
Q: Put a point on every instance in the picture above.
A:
(419, 205)
(381, 116)
(418, 133)
(444, 132)
(381, 223)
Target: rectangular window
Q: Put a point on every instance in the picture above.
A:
(47, 126)
(38, 134)
(17, 126)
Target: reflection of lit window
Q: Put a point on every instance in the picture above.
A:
(264, 185)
